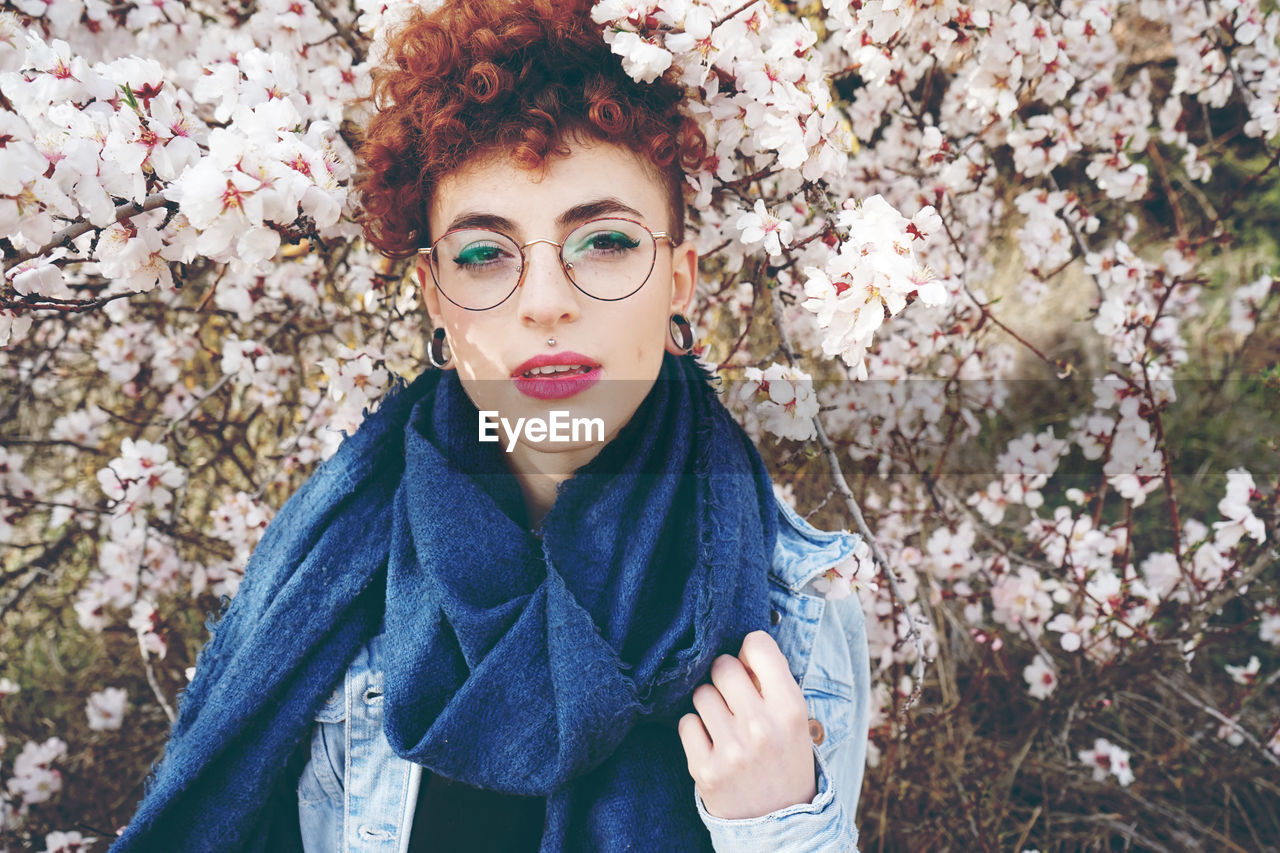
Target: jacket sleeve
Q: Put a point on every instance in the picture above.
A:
(824, 825)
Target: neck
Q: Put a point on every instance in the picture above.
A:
(540, 473)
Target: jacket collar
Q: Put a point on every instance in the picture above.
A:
(803, 552)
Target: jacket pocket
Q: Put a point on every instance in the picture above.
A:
(830, 720)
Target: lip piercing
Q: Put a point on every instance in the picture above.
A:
(551, 342)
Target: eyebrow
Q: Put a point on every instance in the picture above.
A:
(596, 208)
(578, 213)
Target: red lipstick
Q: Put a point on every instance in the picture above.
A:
(536, 377)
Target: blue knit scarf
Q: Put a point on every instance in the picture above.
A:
(553, 666)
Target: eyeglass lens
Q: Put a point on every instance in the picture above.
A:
(608, 259)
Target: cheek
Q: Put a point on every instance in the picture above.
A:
(657, 318)
(651, 344)
(648, 339)
(474, 345)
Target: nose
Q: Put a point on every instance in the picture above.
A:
(546, 296)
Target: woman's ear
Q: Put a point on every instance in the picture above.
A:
(684, 276)
(427, 287)
(684, 281)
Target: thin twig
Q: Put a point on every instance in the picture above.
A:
(340, 31)
(851, 503)
(1230, 589)
(40, 567)
(735, 13)
(155, 685)
(1219, 716)
(217, 386)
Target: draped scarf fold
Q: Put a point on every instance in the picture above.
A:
(552, 665)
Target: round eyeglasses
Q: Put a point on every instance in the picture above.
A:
(607, 259)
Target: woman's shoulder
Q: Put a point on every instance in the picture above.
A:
(803, 552)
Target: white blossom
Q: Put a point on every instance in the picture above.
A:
(1244, 674)
(786, 403)
(106, 708)
(643, 60)
(1269, 627)
(1107, 759)
(67, 842)
(1239, 520)
(142, 476)
(760, 225)
(34, 779)
(1040, 677)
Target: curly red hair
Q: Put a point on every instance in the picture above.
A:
(482, 75)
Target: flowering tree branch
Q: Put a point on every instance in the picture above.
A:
(851, 504)
(123, 213)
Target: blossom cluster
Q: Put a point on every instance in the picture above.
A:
(1107, 759)
(34, 779)
(783, 400)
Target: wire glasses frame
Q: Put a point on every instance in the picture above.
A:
(484, 263)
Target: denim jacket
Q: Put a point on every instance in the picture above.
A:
(356, 794)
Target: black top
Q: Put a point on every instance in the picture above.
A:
(453, 817)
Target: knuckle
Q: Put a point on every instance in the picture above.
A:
(703, 693)
(721, 664)
(692, 741)
(758, 733)
(790, 703)
(732, 755)
(759, 641)
(709, 778)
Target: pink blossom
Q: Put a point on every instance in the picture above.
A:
(1022, 598)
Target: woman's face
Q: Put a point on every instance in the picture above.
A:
(613, 348)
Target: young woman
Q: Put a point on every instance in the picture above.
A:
(544, 598)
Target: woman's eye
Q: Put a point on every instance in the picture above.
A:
(609, 241)
(478, 255)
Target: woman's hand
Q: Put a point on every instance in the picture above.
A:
(748, 744)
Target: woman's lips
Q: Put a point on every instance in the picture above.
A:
(555, 386)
